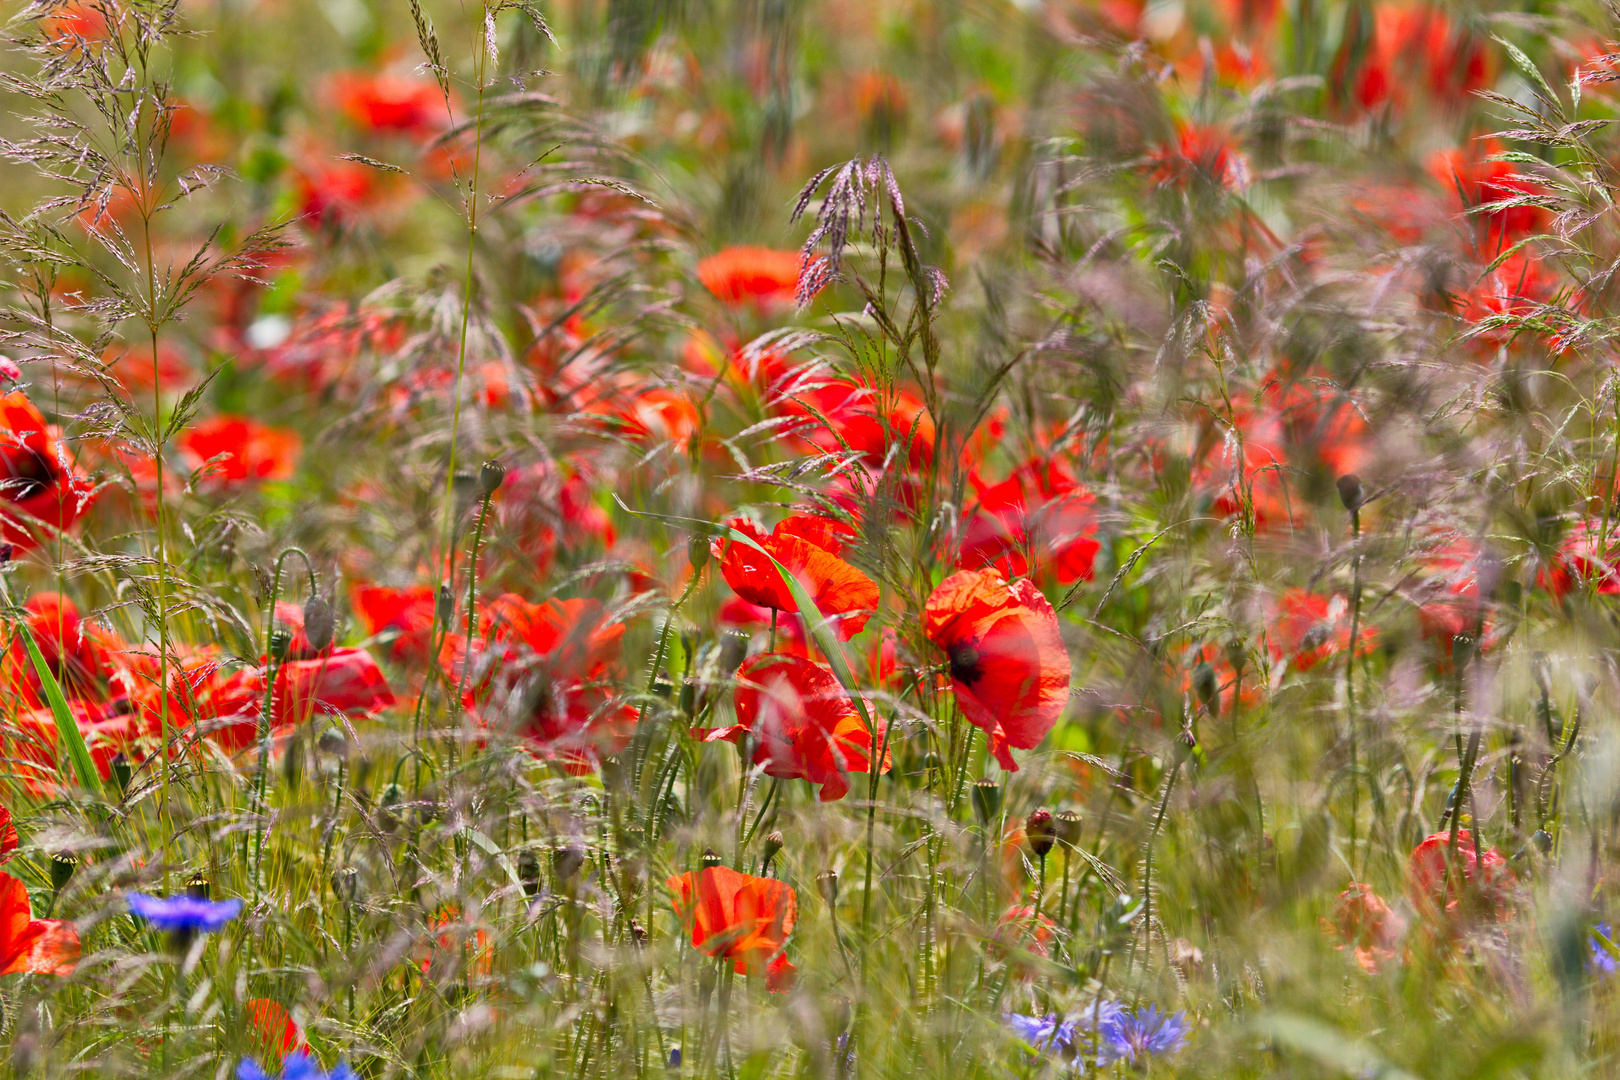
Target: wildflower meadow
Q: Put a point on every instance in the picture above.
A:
(747, 539)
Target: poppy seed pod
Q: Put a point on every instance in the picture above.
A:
(63, 863)
(346, 884)
(1066, 827)
(198, 887)
(1207, 687)
(319, 622)
(827, 885)
(1040, 832)
(773, 845)
(528, 868)
(445, 608)
(710, 858)
(280, 643)
(121, 771)
(986, 800)
(491, 475)
(1350, 495)
(334, 740)
(566, 861)
(697, 551)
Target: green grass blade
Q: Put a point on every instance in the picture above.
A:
(67, 728)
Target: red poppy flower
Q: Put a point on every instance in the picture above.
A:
(335, 192)
(808, 547)
(407, 612)
(780, 975)
(1449, 601)
(1039, 518)
(1432, 890)
(1365, 923)
(1008, 665)
(1201, 154)
(551, 666)
(735, 916)
(347, 681)
(8, 835)
(802, 721)
(1413, 47)
(1307, 628)
(742, 275)
(37, 481)
(270, 1028)
(842, 415)
(248, 450)
(1479, 182)
(391, 104)
(1022, 928)
(78, 654)
(29, 945)
(1580, 560)
(448, 931)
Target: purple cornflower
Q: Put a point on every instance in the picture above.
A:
(1602, 943)
(184, 914)
(1124, 1037)
(298, 1066)
(1049, 1034)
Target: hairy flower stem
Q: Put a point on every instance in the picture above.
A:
(1350, 682)
(266, 717)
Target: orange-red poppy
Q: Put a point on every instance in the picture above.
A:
(30, 945)
(1308, 628)
(78, 654)
(1582, 558)
(1038, 519)
(802, 721)
(347, 681)
(387, 103)
(37, 481)
(1432, 890)
(1366, 925)
(8, 835)
(742, 275)
(808, 547)
(271, 1029)
(552, 664)
(407, 612)
(248, 451)
(1008, 665)
(735, 916)
(448, 931)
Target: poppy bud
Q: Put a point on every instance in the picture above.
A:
(491, 475)
(1066, 826)
(1207, 687)
(932, 763)
(1349, 486)
(319, 622)
(121, 771)
(9, 371)
(1462, 650)
(688, 695)
(528, 868)
(827, 885)
(1236, 654)
(198, 887)
(1040, 833)
(986, 800)
(388, 807)
(346, 884)
(710, 858)
(697, 551)
(773, 845)
(63, 863)
(334, 740)
(1543, 840)
(280, 642)
(566, 861)
(733, 650)
(445, 609)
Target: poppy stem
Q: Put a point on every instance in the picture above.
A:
(1350, 683)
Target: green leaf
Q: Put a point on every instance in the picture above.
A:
(67, 728)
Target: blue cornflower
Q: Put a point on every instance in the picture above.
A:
(298, 1066)
(1602, 943)
(1123, 1037)
(1049, 1034)
(184, 913)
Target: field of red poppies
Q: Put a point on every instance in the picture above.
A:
(752, 539)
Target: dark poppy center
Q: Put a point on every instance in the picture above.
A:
(967, 663)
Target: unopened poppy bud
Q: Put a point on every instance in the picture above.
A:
(1349, 486)
(697, 551)
(1462, 650)
(710, 859)
(733, 650)
(445, 609)
(63, 863)
(827, 885)
(688, 695)
(280, 643)
(566, 861)
(1066, 826)
(491, 475)
(1543, 840)
(121, 772)
(986, 800)
(932, 762)
(1040, 832)
(388, 807)
(1236, 654)
(334, 740)
(198, 887)
(773, 845)
(528, 868)
(319, 622)
(346, 884)
(1207, 687)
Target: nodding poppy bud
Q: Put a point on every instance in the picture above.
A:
(697, 551)
(528, 868)
(63, 863)
(346, 884)
(1350, 491)
(1207, 687)
(121, 772)
(932, 763)
(319, 622)
(1040, 832)
(566, 861)
(491, 475)
(827, 885)
(1543, 840)
(1462, 650)
(986, 800)
(280, 642)
(733, 650)
(710, 858)
(773, 845)
(445, 609)
(1066, 826)
(198, 887)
